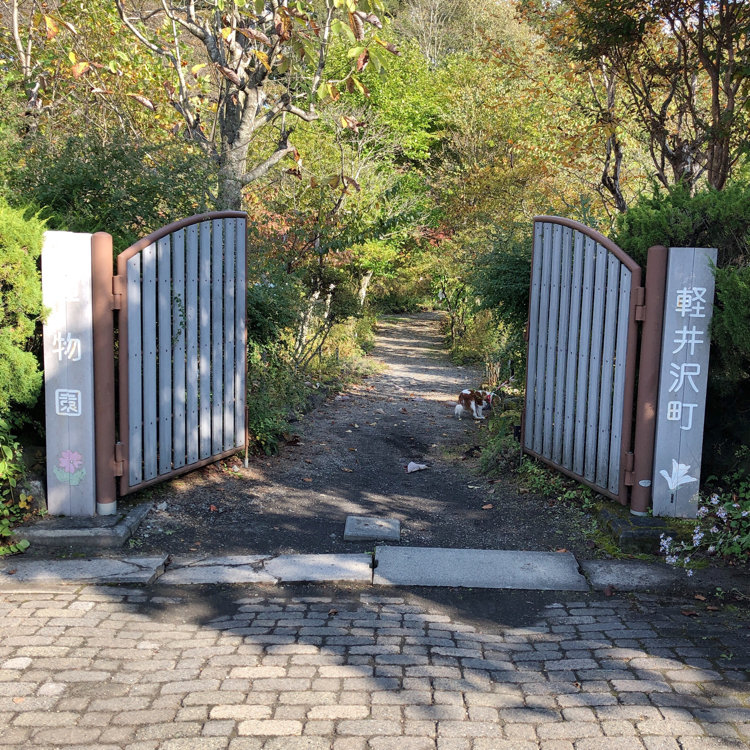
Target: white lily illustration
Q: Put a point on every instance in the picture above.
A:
(679, 475)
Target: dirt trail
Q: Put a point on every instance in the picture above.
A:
(351, 459)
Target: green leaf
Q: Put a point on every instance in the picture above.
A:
(342, 29)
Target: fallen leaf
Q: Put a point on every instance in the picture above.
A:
(213, 508)
(12, 572)
(700, 597)
(489, 506)
(307, 479)
(689, 613)
(349, 471)
(561, 549)
(18, 700)
(332, 612)
(713, 608)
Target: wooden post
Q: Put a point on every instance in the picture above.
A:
(648, 380)
(102, 264)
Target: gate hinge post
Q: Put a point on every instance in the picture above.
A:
(119, 463)
(118, 287)
(628, 474)
(639, 295)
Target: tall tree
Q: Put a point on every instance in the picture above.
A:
(267, 60)
(684, 64)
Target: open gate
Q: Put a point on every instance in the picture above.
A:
(182, 348)
(586, 296)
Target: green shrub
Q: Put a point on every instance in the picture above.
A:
(502, 275)
(14, 505)
(118, 187)
(273, 307)
(674, 218)
(275, 391)
(20, 307)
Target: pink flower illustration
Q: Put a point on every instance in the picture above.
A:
(70, 461)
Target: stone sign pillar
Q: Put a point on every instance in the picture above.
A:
(69, 374)
(683, 377)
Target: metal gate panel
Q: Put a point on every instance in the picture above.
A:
(581, 354)
(182, 358)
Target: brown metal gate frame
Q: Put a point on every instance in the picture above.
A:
(109, 295)
(647, 307)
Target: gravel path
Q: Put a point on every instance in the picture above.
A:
(349, 457)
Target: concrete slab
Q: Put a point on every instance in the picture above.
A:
(229, 569)
(298, 568)
(100, 570)
(370, 528)
(475, 568)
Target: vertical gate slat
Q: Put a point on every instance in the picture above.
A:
(178, 338)
(204, 307)
(621, 353)
(150, 434)
(541, 362)
(164, 284)
(240, 354)
(135, 374)
(191, 335)
(562, 343)
(533, 333)
(595, 363)
(570, 370)
(552, 340)
(608, 360)
(584, 344)
(217, 337)
(229, 273)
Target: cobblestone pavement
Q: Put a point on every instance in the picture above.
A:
(321, 668)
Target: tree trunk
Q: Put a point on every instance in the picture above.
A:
(364, 283)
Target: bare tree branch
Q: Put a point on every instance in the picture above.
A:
(263, 168)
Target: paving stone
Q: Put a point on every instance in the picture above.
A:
(96, 668)
(269, 727)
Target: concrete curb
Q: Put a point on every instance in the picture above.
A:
(129, 570)
(439, 568)
(102, 532)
